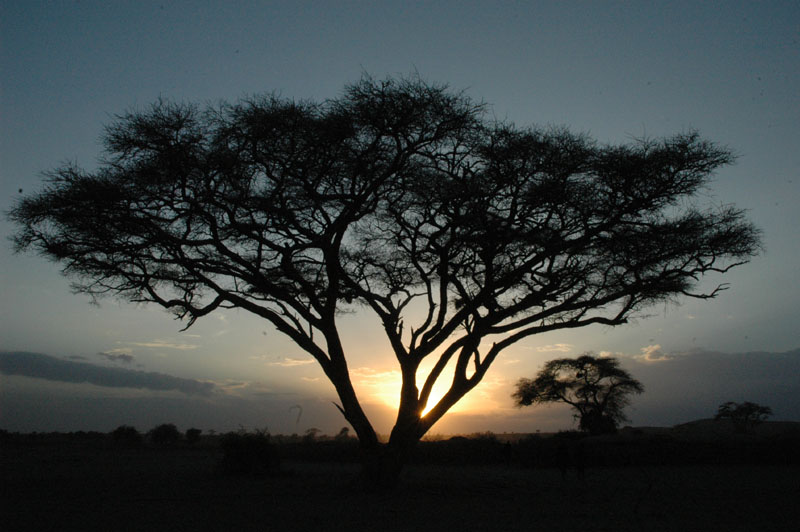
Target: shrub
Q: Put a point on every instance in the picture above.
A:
(125, 435)
(193, 436)
(311, 435)
(165, 434)
(344, 435)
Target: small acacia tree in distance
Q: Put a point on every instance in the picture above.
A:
(595, 387)
(744, 416)
(463, 235)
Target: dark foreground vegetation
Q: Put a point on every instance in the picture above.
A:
(679, 479)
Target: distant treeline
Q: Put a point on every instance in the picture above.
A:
(241, 449)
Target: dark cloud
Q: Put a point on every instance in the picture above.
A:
(56, 369)
(76, 357)
(44, 406)
(114, 357)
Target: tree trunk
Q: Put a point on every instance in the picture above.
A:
(384, 463)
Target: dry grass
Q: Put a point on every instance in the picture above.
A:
(151, 490)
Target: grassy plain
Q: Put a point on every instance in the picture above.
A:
(147, 489)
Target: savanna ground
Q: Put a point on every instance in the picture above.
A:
(148, 489)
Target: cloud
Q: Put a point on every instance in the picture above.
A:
(161, 344)
(231, 386)
(127, 358)
(563, 348)
(382, 386)
(491, 394)
(55, 369)
(67, 408)
(608, 354)
(292, 362)
(652, 354)
(374, 377)
(249, 389)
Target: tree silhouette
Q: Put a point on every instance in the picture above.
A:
(744, 416)
(126, 435)
(165, 434)
(461, 234)
(595, 387)
(193, 435)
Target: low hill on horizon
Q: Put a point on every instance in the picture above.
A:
(703, 429)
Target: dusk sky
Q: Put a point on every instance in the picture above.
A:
(617, 71)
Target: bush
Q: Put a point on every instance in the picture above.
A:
(248, 453)
(193, 436)
(125, 435)
(478, 448)
(344, 435)
(166, 434)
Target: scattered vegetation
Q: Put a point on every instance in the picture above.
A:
(257, 453)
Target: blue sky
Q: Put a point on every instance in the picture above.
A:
(615, 70)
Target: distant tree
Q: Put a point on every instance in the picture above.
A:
(744, 416)
(193, 435)
(595, 387)
(461, 234)
(165, 434)
(311, 435)
(126, 435)
(343, 435)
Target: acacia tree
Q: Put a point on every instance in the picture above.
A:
(595, 387)
(399, 195)
(744, 416)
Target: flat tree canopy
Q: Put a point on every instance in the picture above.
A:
(597, 388)
(397, 192)
(744, 416)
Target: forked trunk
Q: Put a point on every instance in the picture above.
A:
(383, 463)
